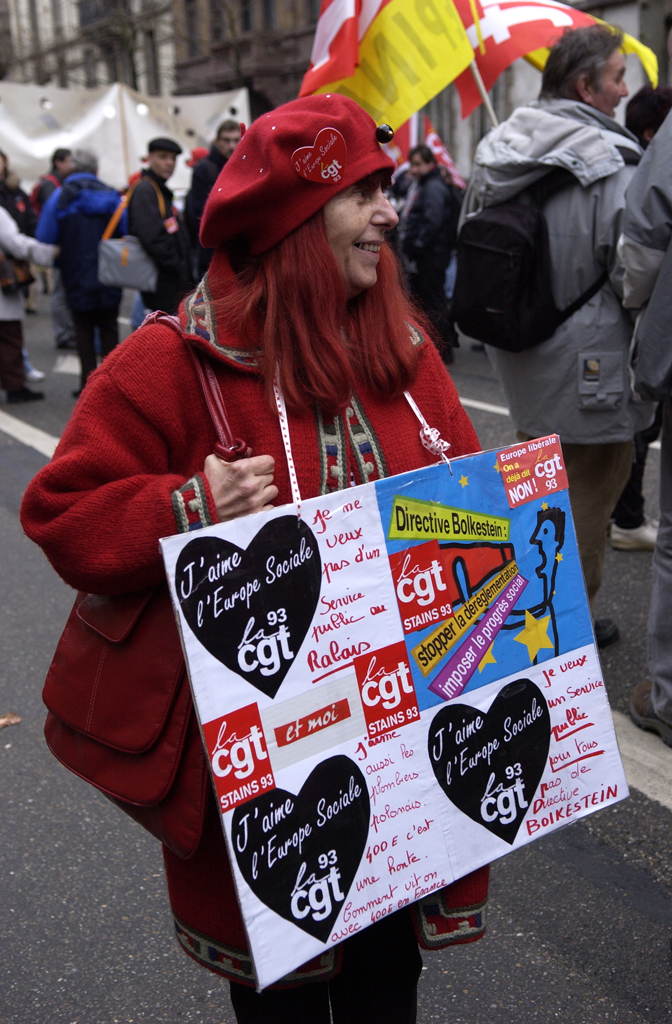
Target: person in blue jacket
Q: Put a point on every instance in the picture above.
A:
(75, 217)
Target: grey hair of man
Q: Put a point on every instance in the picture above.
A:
(84, 161)
(581, 52)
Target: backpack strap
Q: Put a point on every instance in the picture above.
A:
(584, 297)
(542, 190)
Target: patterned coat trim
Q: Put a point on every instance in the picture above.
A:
(236, 964)
(190, 505)
(437, 925)
(334, 433)
(201, 321)
(367, 450)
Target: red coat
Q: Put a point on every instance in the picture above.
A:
(128, 470)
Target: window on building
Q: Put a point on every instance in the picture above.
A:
(91, 11)
(191, 24)
(153, 84)
(62, 71)
(110, 58)
(90, 68)
(217, 20)
(246, 18)
(313, 10)
(269, 9)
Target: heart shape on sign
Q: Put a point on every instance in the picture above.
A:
(324, 160)
(489, 764)
(300, 854)
(251, 609)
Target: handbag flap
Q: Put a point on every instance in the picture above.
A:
(113, 618)
(117, 668)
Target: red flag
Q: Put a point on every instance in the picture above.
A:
(341, 26)
(509, 29)
(408, 135)
(441, 154)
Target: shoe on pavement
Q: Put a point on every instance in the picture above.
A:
(35, 376)
(23, 395)
(641, 538)
(606, 632)
(643, 715)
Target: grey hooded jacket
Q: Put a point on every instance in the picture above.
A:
(646, 253)
(575, 384)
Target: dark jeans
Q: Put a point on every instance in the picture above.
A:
(427, 289)
(629, 512)
(85, 321)
(377, 984)
(12, 377)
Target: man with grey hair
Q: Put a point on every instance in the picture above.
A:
(576, 383)
(75, 217)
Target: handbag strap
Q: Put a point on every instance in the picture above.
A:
(227, 447)
(125, 200)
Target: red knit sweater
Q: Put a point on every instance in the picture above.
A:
(128, 470)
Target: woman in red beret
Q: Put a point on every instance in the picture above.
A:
(303, 291)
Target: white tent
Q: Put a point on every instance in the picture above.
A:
(115, 121)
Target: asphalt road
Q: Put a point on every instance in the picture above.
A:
(579, 923)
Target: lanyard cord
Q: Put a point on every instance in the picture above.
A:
(284, 430)
(430, 438)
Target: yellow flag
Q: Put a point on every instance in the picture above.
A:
(648, 58)
(412, 50)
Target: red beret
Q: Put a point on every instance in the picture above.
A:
(261, 196)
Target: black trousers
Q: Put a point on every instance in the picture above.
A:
(629, 512)
(85, 322)
(427, 289)
(377, 984)
(12, 377)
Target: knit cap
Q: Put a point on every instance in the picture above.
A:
(287, 166)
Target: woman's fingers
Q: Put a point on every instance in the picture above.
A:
(243, 487)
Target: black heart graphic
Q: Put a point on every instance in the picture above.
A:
(251, 609)
(489, 765)
(299, 854)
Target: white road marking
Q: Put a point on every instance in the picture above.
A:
(472, 403)
(67, 362)
(646, 759)
(42, 442)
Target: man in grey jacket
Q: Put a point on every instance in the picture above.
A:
(645, 249)
(576, 383)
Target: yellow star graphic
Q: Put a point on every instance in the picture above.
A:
(544, 505)
(535, 635)
(464, 480)
(558, 557)
(488, 658)
(496, 466)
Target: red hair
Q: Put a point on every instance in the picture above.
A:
(291, 299)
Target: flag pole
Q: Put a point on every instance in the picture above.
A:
(484, 93)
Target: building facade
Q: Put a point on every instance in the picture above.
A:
(90, 43)
(262, 44)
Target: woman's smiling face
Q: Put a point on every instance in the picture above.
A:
(356, 221)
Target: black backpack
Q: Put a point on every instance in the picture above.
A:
(503, 294)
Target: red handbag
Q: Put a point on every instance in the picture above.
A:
(120, 713)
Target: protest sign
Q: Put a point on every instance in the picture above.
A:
(394, 688)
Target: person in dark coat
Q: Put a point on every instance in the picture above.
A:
(429, 238)
(204, 177)
(156, 222)
(75, 217)
(15, 200)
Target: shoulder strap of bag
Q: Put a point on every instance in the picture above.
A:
(541, 191)
(227, 447)
(125, 200)
(116, 216)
